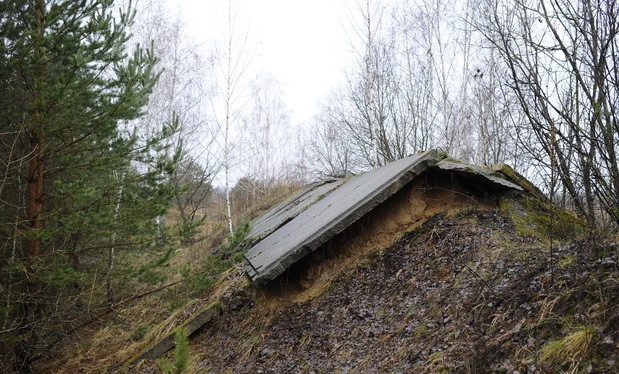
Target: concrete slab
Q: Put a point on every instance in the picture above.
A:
(161, 346)
(517, 178)
(487, 173)
(283, 213)
(330, 215)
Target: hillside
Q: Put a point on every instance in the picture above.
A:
(469, 290)
(435, 280)
(462, 293)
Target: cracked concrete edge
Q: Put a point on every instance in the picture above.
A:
(193, 323)
(339, 224)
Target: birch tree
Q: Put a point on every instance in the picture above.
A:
(232, 60)
(182, 94)
(269, 128)
(411, 87)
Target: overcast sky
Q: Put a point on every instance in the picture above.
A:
(303, 44)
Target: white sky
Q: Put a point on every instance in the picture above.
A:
(301, 43)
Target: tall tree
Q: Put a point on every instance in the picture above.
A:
(329, 145)
(411, 87)
(182, 91)
(268, 125)
(366, 84)
(561, 61)
(79, 178)
(233, 59)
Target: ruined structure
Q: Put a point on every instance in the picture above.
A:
(309, 219)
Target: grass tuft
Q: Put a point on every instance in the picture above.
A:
(573, 348)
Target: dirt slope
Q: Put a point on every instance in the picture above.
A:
(462, 293)
(438, 279)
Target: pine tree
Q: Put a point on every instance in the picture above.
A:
(79, 182)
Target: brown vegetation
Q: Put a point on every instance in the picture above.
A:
(434, 280)
(463, 292)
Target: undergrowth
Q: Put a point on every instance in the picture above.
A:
(169, 283)
(198, 278)
(181, 354)
(480, 291)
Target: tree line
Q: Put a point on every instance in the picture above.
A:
(531, 84)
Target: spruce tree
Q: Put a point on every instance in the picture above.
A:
(79, 183)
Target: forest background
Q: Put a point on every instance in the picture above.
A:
(122, 142)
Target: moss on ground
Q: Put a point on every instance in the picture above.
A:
(540, 219)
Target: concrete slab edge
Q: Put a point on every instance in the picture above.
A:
(256, 234)
(193, 323)
(335, 227)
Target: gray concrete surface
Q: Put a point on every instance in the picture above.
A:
(279, 215)
(326, 217)
(478, 171)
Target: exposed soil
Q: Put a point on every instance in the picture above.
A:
(441, 278)
(462, 293)
(427, 195)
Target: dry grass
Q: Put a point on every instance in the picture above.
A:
(504, 309)
(571, 349)
(128, 329)
(241, 334)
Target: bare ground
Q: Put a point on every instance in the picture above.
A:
(433, 281)
(461, 294)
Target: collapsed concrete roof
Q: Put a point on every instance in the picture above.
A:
(304, 222)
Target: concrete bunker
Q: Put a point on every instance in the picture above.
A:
(368, 212)
(325, 229)
(432, 192)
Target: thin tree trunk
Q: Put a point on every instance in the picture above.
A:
(229, 92)
(29, 307)
(111, 253)
(34, 194)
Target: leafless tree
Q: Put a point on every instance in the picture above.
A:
(268, 129)
(490, 113)
(366, 114)
(412, 85)
(561, 58)
(329, 149)
(233, 58)
(181, 94)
